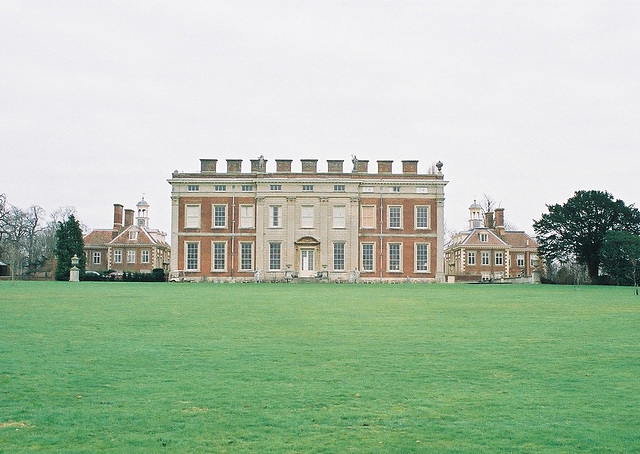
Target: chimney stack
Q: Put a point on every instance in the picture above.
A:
(234, 165)
(488, 220)
(128, 217)
(309, 165)
(283, 165)
(500, 220)
(117, 216)
(334, 166)
(410, 167)
(208, 165)
(385, 167)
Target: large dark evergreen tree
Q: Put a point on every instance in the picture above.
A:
(577, 228)
(621, 257)
(69, 242)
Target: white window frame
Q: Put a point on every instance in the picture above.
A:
(192, 215)
(485, 258)
(96, 258)
(363, 218)
(220, 188)
(520, 260)
(307, 188)
(247, 188)
(390, 218)
(339, 256)
(131, 256)
(339, 188)
(145, 256)
(242, 258)
(216, 266)
(275, 187)
(422, 266)
(471, 258)
(117, 256)
(275, 216)
(275, 247)
(247, 216)
(427, 218)
(339, 216)
(193, 188)
(392, 267)
(372, 246)
(214, 218)
(133, 235)
(307, 213)
(394, 189)
(187, 260)
(498, 258)
(484, 237)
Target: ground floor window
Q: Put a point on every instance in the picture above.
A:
(246, 256)
(145, 256)
(394, 259)
(485, 258)
(97, 258)
(274, 256)
(192, 262)
(338, 256)
(131, 256)
(422, 257)
(219, 256)
(368, 257)
(117, 256)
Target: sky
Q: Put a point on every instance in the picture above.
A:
(523, 101)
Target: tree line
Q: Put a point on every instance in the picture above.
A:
(595, 231)
(28, 237)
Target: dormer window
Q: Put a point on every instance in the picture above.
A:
(484, 237)
(133, 235)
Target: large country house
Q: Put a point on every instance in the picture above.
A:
(489, 252)
(332, 225)
(128, 246)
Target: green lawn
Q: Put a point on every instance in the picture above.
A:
(132, 368)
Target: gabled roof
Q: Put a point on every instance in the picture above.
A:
(519, 239)
(98, 237)
(145, 236)
(473, 238)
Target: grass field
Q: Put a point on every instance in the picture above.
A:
(271, 368)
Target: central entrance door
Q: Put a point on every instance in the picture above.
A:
(307, 257)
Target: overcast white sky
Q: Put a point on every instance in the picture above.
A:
(527, 101)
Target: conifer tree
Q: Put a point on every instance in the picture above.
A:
(69, 242)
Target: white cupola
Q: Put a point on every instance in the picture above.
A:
(143, 213)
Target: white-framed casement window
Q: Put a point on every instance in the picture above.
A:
(422, 257)
(484, 257)
(275, 258)
(133, 235)
(219, 216)
(395, 189)
(219, 259)
(307, 188)
(422, 216)
(247, 217)
(471, 257)
(484, 237)
(275, 187)
(131, 256)
(192, 216)
(220, 188)
(498, 258)
(368, 216)
(339, 216)
(97, 258)
(306, 218)
(367, 257)
(275, 216)
(520, 260)
(193, 188)
(339, 188)
(192, 256)
(394, 257)
(246, 256)
(532, 259)
(395, 216)
(247, 188)
(338, 256)
(145, 256)
(117, 256)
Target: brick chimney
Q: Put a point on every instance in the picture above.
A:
(259, 165)
(362, 166)
(499, 213)
(410, 167)
(283, 165)
(385, 167)
(118, 211)
(334, 166)
(234, 165)
(128, 217)
(309, 165)
(488, 220)
(208, 165)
